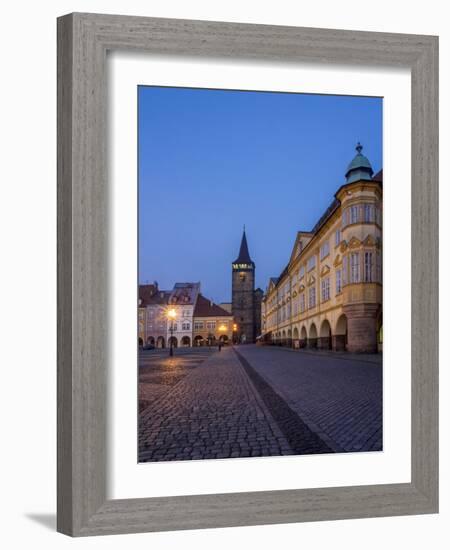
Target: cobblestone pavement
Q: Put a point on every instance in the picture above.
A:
(212, 412)
(338, 396)
(158, 372)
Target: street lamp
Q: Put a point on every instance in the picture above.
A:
(235, 327)
(171, 315)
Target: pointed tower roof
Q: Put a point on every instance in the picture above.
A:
(360, 167)
(244, 256)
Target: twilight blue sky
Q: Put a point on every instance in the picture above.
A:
(211, 161)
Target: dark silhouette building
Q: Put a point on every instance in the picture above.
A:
(245, 300)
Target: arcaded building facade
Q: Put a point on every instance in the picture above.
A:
(329, 295)
(212, 323)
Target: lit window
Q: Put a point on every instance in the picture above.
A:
(354, 267)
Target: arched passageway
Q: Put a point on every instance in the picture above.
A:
(303, 337)
(325, 335)
(140, 342)
(185, 341)
(295, 338)
(150, 341)
(160, 342)
(198, 340)
(340, 334)
(380, 332)
(173, 342)
(289, 338)
(312, 337)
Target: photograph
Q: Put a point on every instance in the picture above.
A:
(260, 286)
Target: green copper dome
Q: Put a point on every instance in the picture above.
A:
(360, 167)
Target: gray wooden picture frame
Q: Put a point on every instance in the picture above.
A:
(83, 41)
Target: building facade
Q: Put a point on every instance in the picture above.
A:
(153, 315)
(245, 301)
(212, 323)
(329, 295)
(182, 300)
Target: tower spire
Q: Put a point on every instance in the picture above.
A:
(244, 255)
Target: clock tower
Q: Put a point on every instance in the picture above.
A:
(243, 295)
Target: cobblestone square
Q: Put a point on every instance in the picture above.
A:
(249, 401)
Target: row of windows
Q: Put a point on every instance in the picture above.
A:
(200, 325)
(357, 213)
(360, 267)
(184, 326)
(366, 212)
(370, 272)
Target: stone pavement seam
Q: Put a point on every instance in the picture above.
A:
(257, 397)
(339, 399)
(301, 439)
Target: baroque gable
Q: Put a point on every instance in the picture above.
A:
(354, 243)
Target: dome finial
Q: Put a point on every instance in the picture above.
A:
(359, 168)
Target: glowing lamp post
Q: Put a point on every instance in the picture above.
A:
(235, 327)
(171, 316)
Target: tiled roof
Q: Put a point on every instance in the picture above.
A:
(206, 308)
(160, 298)
(378, 176)
(328, 212)
(185, 293)
(146, 292)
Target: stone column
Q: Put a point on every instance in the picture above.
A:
(361, 328)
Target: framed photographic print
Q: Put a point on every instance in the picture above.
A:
(247, 276)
